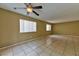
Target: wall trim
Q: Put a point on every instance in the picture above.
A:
(67, 35)
(34, 39)
(18, 43)
(15, 44)
(73, 35)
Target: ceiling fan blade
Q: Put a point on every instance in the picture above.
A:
(26, 4)
(37, 7)
(19, 8)
(35, 13)
(29, 3)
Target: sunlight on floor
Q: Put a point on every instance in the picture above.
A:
(53, 45)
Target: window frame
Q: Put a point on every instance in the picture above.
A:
(29, 26)
(48, 27)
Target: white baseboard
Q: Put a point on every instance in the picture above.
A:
(31, 40)
(16, 44)
(66, 35)
(72, 35)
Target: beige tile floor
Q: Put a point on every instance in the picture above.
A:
(53, 45)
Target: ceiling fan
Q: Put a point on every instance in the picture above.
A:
(30, 8)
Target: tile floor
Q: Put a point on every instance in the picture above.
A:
(53, 45)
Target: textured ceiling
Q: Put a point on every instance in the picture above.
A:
(51, 12)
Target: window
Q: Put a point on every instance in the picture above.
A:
(27, 26)
(48, 27)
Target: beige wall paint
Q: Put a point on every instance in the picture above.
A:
(70, 28)
(9, 28)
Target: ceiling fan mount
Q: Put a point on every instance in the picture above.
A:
(30, 8)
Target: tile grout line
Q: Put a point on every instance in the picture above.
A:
(22, 50)
(52, 44)
(37, 47)
(25, 52)
(12, 51)
(64, 46)
(74, 47)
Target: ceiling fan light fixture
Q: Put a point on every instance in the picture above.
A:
(29, 9)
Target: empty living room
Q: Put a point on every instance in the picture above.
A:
(39, 29)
